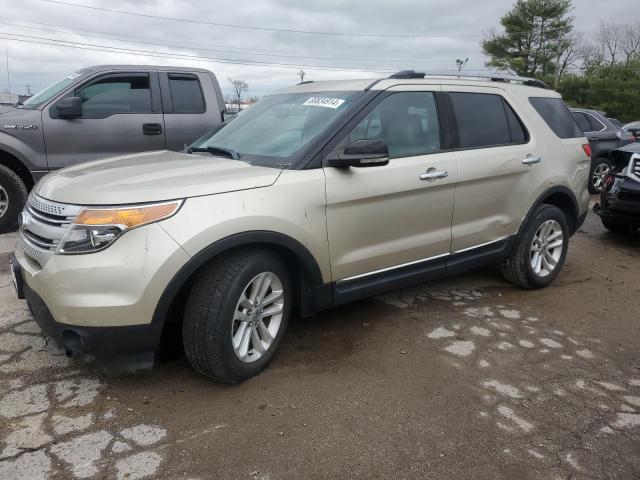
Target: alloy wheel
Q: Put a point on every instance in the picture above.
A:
(257, 317)
(4, 201)
(599, 172)
(546, 248)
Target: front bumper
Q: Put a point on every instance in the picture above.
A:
(620, 203)
(103, 303)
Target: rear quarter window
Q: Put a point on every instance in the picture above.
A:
(556, 114)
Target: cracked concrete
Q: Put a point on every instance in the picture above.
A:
(537, 385)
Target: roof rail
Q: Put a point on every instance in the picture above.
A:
(530, 82)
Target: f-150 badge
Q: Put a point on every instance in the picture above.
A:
(21, 126)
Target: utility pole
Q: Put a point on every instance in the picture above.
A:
(6, 53)
(301, 74)
(461, 64)
(28, 90)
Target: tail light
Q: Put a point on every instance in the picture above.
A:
(587, 149)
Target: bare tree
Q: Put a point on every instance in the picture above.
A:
(609, 39)
(631, 43)
(568, 54)
(239, 86)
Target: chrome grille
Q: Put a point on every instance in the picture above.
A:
(43, 225)
(635, 167)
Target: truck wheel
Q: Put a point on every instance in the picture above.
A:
(13, 196)
(540, 250)
(236, 314)
(599, 168)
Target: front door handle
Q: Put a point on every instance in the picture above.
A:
(433, 174)
(151, 128)
(529, 160)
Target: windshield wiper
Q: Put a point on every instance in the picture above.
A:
(225, 152)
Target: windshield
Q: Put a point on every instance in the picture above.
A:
(278, 126)
(47, 93)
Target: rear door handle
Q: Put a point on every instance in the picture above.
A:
(433, 174)
(531, 160)
(151, 128)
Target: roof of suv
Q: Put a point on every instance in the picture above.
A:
(504, 83)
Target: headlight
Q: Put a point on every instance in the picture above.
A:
(96, 228)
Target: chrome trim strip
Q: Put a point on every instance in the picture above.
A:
(604, 127)
(634, 161)
(382, 270)
(482, 244)
(45, 219)
(34, 242)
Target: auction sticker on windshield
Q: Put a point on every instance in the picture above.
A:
(327, 102)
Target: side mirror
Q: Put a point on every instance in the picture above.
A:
(361, 153)
(69, 107)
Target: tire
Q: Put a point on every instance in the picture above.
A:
(215, 311)
(14, 193)
(518, 268)
(598, 166)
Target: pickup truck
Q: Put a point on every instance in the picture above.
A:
(98, 112)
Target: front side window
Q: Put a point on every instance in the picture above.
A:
(114, 94)
(186, 94)
(556, 114)
(47, 93)
(486, 120)
(279, 126)
(407, 122)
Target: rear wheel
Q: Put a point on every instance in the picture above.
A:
(236, 315)
(599, 168)
(540, 250)
(13, 196)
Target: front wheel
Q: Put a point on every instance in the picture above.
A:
(236, 315)
(540, 250)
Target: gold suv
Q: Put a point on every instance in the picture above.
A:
(318, 195)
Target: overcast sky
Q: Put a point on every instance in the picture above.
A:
(421, 34)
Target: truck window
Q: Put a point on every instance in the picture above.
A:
(114, 94)
(186, 93)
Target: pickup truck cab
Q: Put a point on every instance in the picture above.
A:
(100, 112)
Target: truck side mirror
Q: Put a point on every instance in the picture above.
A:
(69, 107)
(361, 153)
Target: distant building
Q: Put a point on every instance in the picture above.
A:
(8, 98)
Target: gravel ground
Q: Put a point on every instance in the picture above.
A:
(463, 378)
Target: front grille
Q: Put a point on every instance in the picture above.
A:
(43, 226)
(635, 167)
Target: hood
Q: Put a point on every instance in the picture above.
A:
(6, 109)
(151, 177)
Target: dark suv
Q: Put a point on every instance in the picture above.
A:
(603, 136)
(619, 206)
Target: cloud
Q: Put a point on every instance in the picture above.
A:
(450, 30)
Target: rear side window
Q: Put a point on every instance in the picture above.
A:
(486, 120)
(556, 114)
(186, 94)
(583, 121)
(594, 124)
